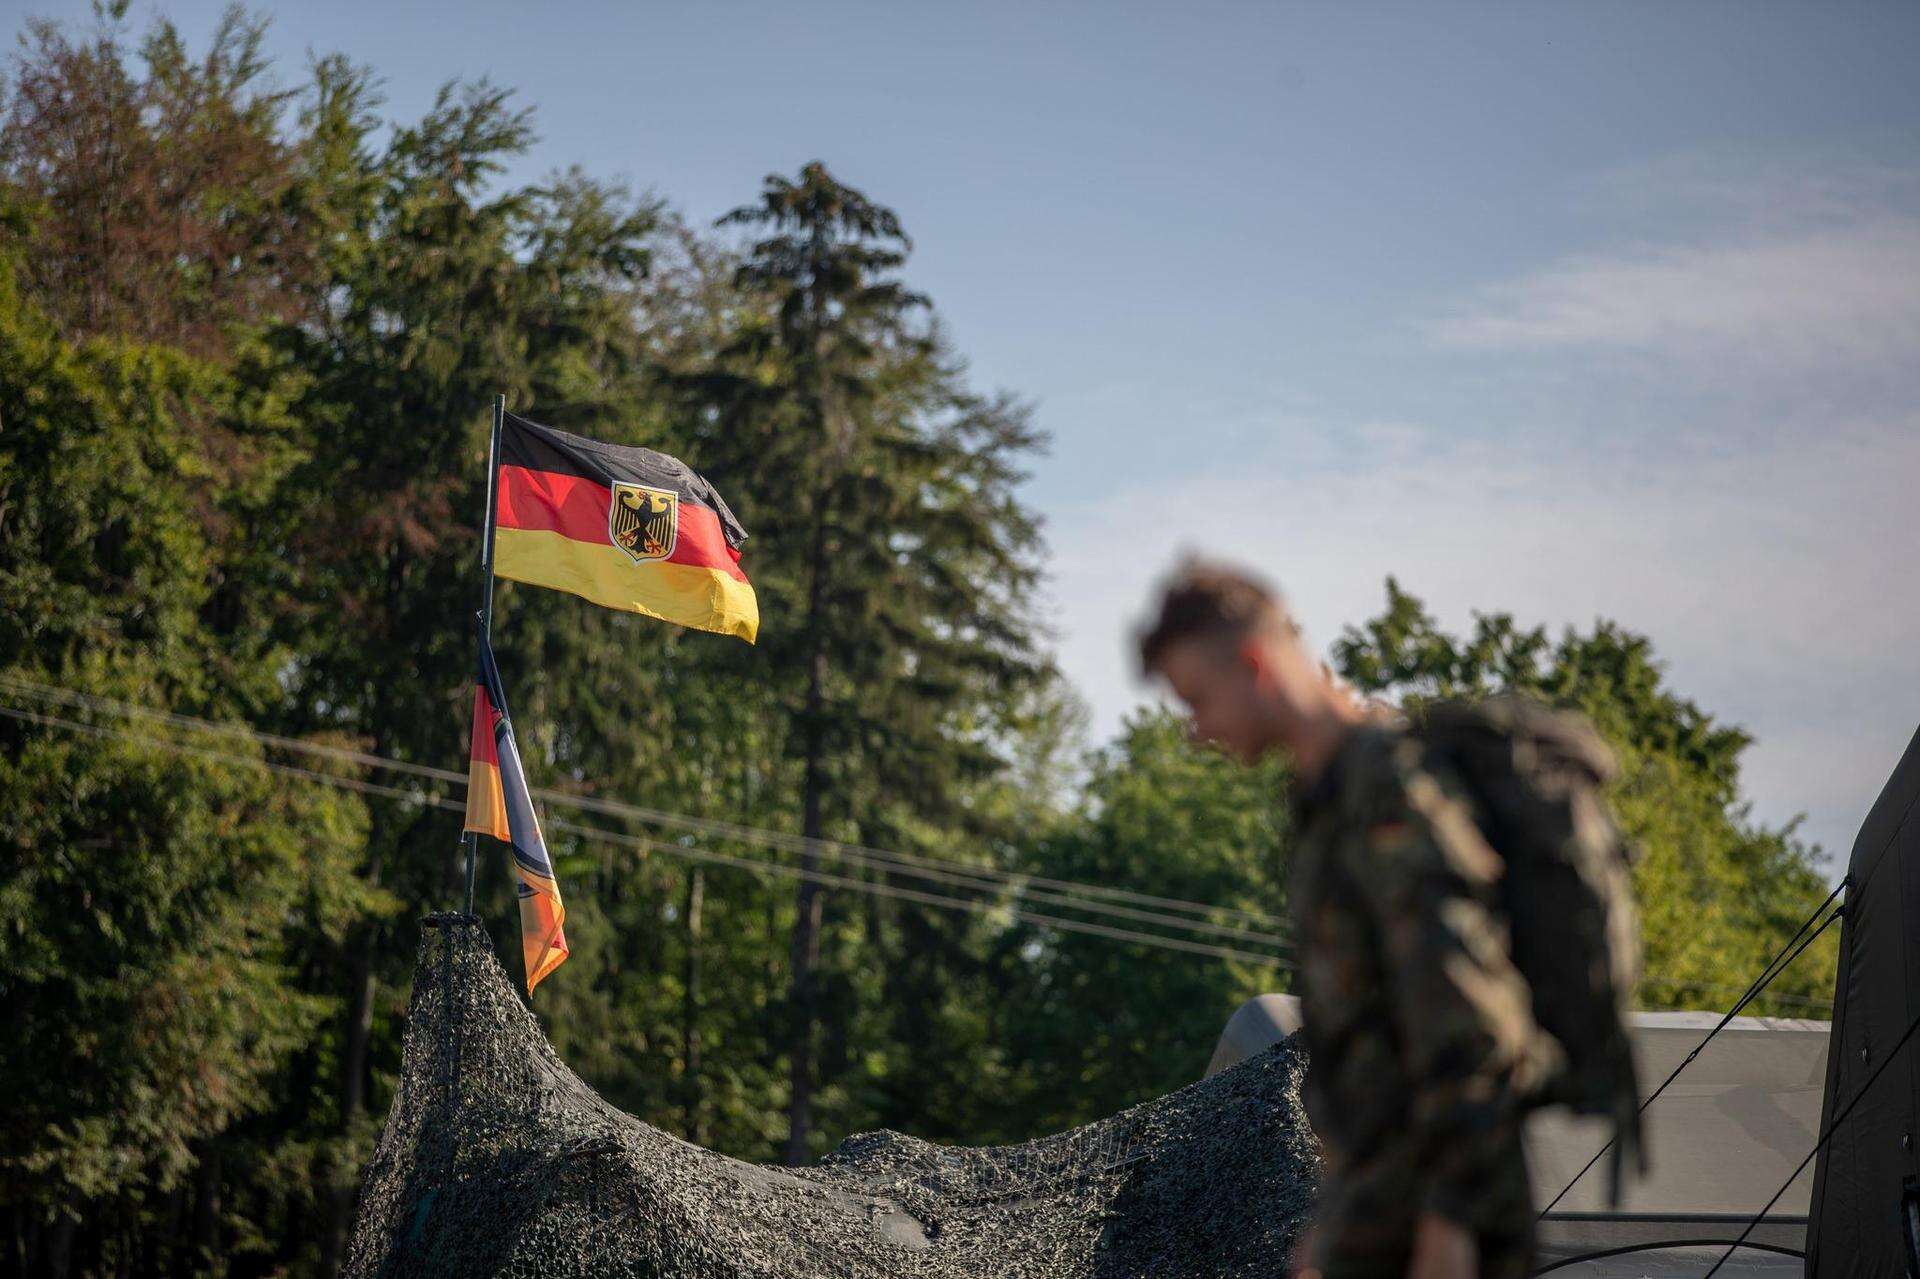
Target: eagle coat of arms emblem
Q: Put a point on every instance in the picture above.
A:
(644, 521)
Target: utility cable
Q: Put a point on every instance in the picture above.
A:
(1628, 1249)
(963, 881)
(1674, 983)
(1818, 1146)
(359, 785)
(602, 835)
(682, 851)
(1040, 888)
(1773, 969)
(672, 849)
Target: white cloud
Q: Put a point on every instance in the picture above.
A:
(1736, 195)
(1709, 436)
(1832, 295)
(1776, 583)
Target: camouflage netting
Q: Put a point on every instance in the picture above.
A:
(498, 1160)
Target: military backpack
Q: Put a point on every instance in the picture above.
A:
(1535, 777)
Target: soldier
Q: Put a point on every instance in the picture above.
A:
(1421, 1037)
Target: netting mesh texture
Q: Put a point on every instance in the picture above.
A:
(498, 1161)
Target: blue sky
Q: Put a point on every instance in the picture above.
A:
(1568, 310)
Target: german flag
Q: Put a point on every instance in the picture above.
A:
(499, 805)
(627, 528)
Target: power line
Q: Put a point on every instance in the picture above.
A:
(1803, 1001)
(1818, 1146)
(953, 875)
(1075, 895)
(929, 871)
(976, 906)
(683, 851)
(357, 784)
(1780, 962)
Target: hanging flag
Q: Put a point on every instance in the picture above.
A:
(627, 528)
(498, 805)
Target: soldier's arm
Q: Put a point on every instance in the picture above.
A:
(1462, 1010)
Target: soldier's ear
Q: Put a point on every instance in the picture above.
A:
(1257, 658)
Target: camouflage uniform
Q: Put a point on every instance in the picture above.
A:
(1420, 1029)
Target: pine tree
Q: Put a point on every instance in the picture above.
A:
(896, 561)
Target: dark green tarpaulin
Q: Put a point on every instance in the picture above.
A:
(1870, 1164)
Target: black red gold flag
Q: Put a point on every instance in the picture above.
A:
(498, 804)
(628, 528)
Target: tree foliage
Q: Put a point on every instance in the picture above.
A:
(1719, 892)
(160, 901)
(248, 341)
(899, 567)
(1089, 1027)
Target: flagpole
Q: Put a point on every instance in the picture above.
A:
(486, 542)
(468, 839)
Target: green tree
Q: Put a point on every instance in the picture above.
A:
(248, 340)
(441, 292)
(1719, 892)
(159, 900)
(898, 560)
(1090, 1027)
(167, 203)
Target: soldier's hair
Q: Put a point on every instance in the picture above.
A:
(1206, 599)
